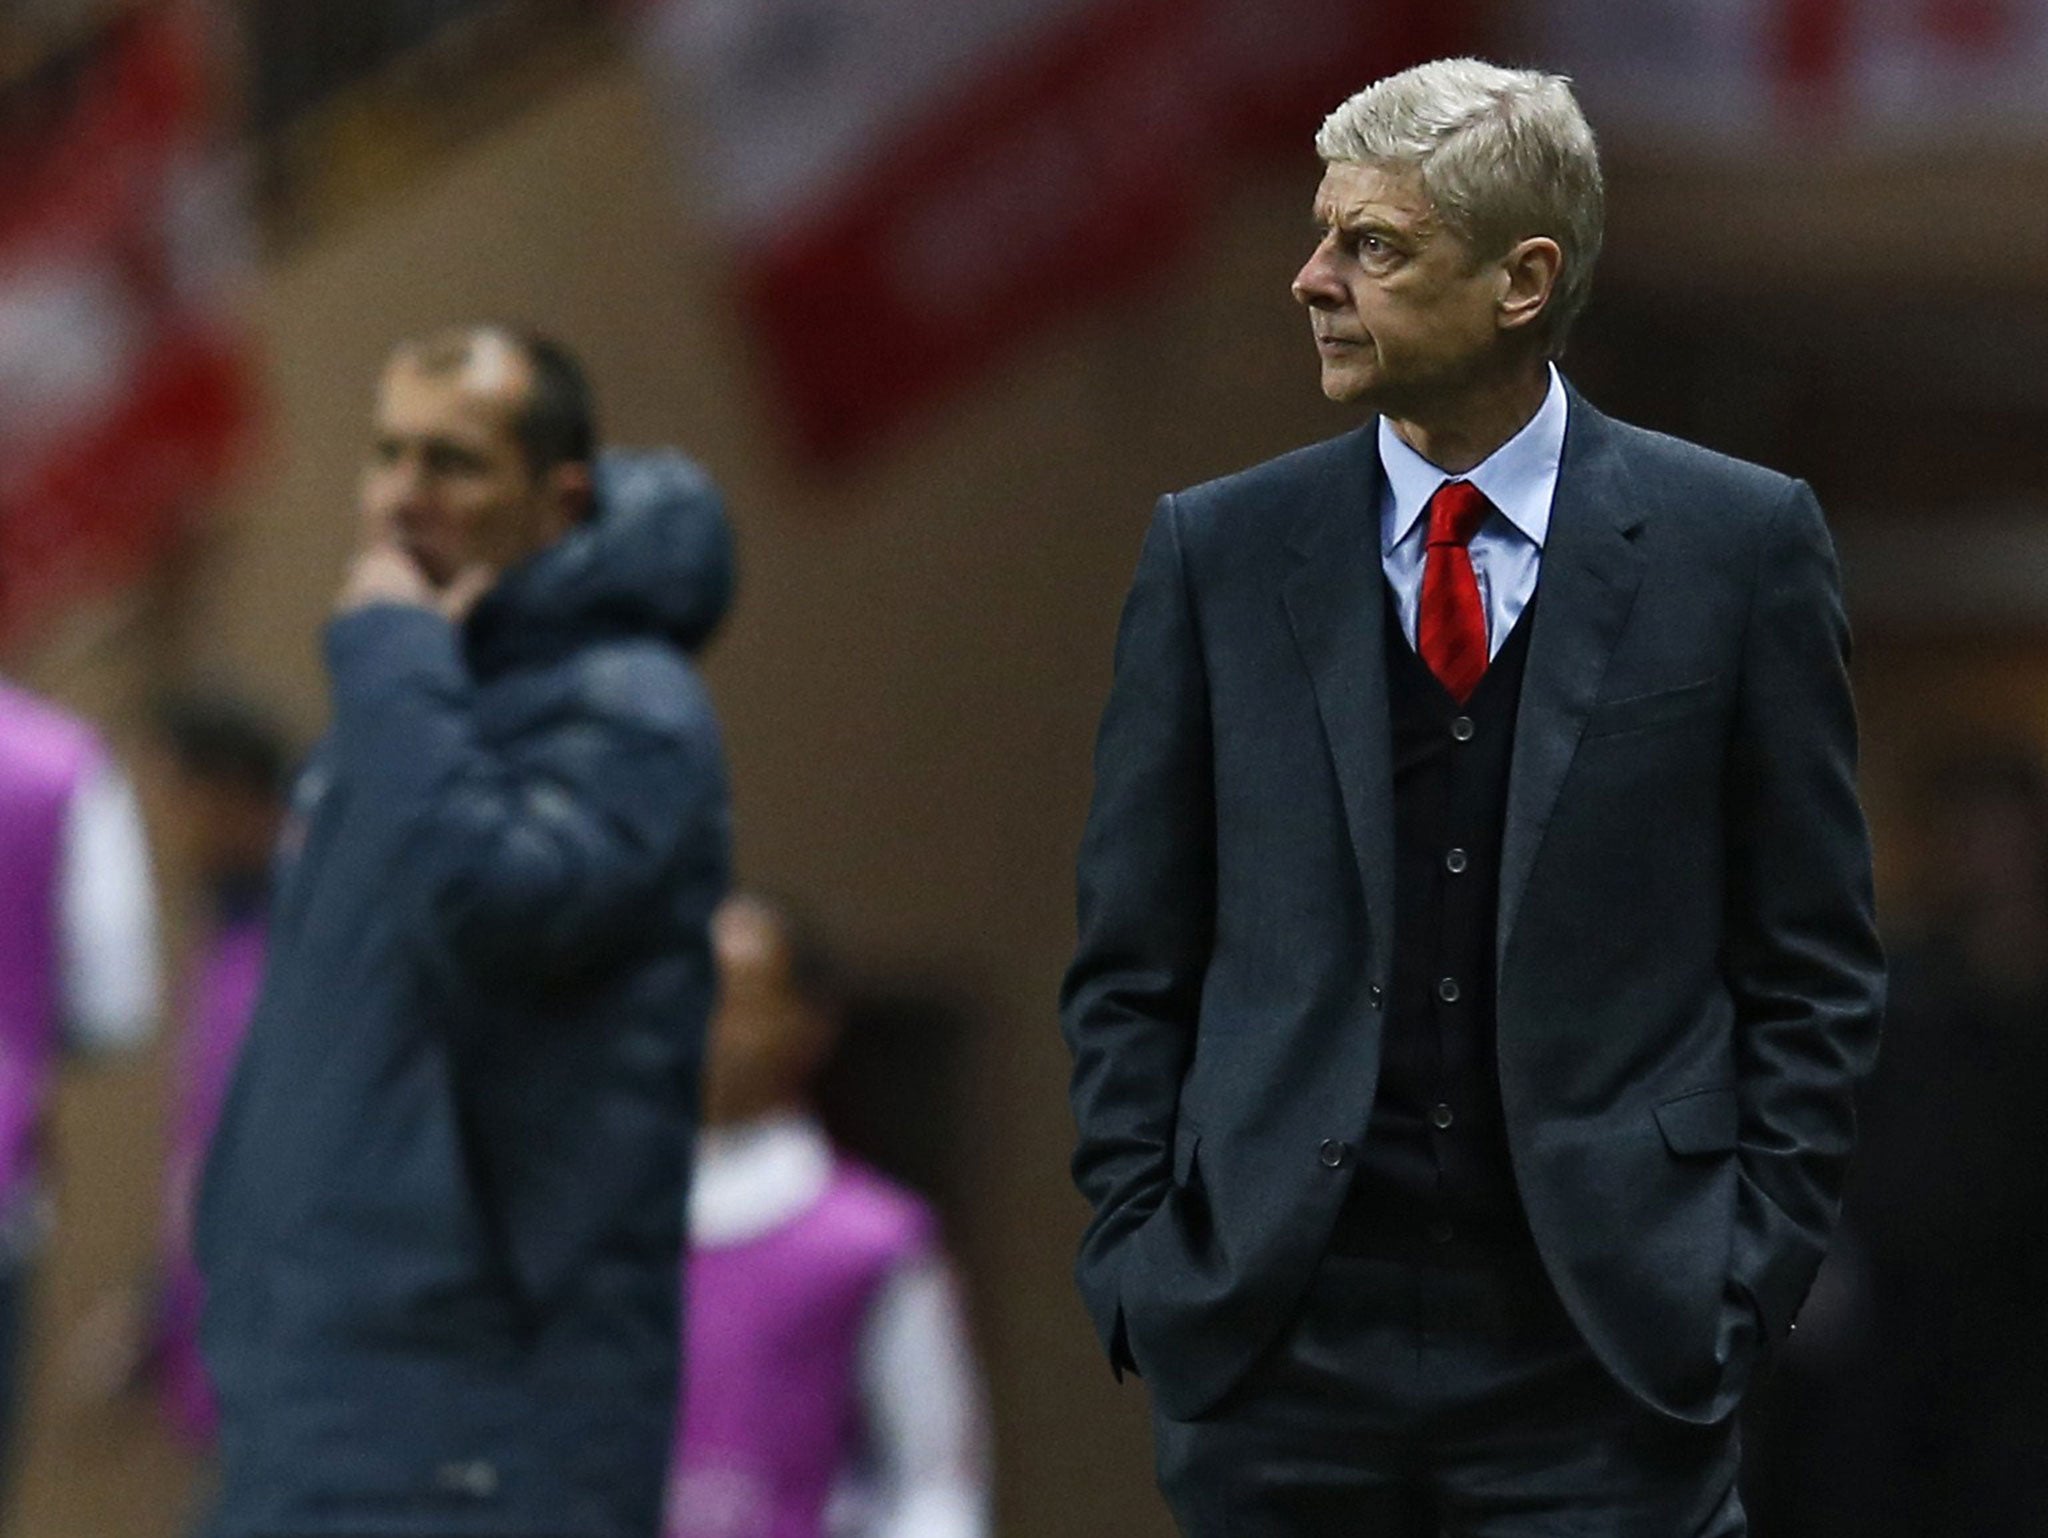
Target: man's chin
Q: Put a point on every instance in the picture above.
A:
(1346, 387)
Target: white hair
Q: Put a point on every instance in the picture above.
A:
(1503, 154)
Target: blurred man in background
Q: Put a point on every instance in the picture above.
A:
(222, 781)
(1476, 953)
(228, 784)
(78, 960)
(832, 1390)
(222, 774)
(441, 1223)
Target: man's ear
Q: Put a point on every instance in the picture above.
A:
(1528, 278)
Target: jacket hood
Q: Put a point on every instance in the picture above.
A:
(654, 559)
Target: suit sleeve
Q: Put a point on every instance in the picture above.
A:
(1803, 962)
(530, 861)
(1146, 908)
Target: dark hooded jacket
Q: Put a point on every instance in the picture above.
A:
(442, 1218)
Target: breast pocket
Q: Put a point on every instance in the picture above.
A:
(1660, 707)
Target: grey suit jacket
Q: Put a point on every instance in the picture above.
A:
(1689, 979)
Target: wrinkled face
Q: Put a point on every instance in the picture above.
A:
(447, 479)
(767, 1040)
(1404, 315)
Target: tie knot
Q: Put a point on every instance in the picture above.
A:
(1456, 511)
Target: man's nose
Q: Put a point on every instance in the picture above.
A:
(1314, 285)
(405, 484)
(394, 494)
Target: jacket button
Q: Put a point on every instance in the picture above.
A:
(1441, 1118)
(1333, 1153)
(1375, 996)
(1447, 989)
(1457, 862)
(1462, 729)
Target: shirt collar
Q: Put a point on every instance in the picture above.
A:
(1518, 478)
(752, 1179)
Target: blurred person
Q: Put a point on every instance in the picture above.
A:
(225, 778)
(442, 1218)
(1914, 1404)
(78, 963)
(1476, 955)
(831, 1389)
(230, 783)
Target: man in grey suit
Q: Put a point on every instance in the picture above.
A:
(1476, 955)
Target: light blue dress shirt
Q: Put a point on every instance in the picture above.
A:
(1519, 478)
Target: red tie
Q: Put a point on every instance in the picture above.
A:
(1450, 629)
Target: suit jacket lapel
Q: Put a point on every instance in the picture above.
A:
(1591, 569)
(1336, 600)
